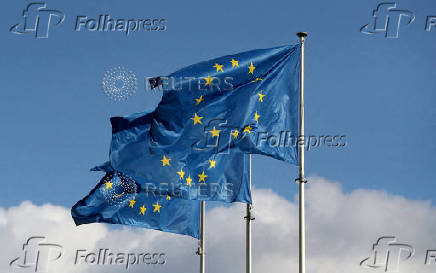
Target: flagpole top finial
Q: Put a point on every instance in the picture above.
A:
(302, 34)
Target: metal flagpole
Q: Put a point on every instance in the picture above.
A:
(301, 179)
(202, 241)
(249, 217)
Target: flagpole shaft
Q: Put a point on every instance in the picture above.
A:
(301, 177)
(302, 240)
(248, 217)
(202, 237)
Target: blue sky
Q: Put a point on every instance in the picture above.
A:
(378, 92)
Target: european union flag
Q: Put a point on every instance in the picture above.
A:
(246, 102)
(176, 170)
(119, 199)
(211, 114)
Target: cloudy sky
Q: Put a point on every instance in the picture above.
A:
(376, 92)
(341, 230)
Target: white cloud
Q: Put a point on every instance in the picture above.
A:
(341, 228)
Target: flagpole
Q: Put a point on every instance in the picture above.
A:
(249, 217)
(202, 241)
(301, 178)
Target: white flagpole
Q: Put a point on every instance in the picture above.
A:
(202, 241)
(301, 179)
(249, 217)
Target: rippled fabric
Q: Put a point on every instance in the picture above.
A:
(124, 201)
(130, 153)
(257, 98)
(194, 145)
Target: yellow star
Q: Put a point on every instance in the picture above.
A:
(234, 63)
(197, 101)
(202, 177)
(219, 67)
(261, 96)
(257, 79)
(165, 161)
(251, 67)
(188, 181)
(168, 197)
(181, 173)
(235, 133)
(132, 203)
(247, 129)
(212, 163)
(157, 207)
(196, 119)
(209, 80)
(256, 117)
(215, 132)
(108, 185)
(143, 209)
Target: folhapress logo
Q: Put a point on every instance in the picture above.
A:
(38, 19)
(387, 20)
(37, 254)
(387, 254)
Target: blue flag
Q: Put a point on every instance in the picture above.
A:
(193, 144)
(176, 170)
(246, 102)
(119, 199)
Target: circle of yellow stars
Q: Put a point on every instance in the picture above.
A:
(214, 132)
(220, 68)
(197, 119)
